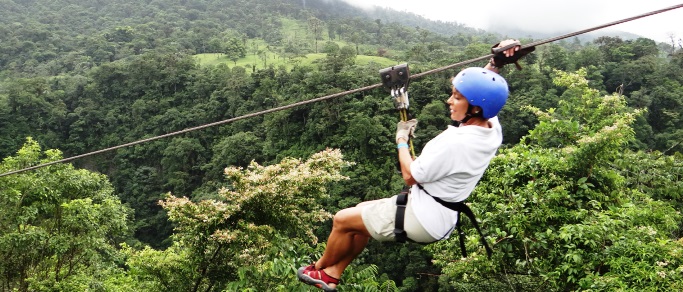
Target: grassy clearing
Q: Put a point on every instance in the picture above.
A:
(253, 61)
(292, 29)
(385, 62)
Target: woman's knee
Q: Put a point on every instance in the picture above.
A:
(348, 218)
(342, 216)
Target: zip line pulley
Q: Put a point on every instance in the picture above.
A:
(396, 79)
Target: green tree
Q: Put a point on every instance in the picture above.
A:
(332, 28)
(588, 56)
(60, 227)
(316, 26)
(238, 150)
(181, 160)
(379, 31)
(613, 49)
(559, 214)
(121, 34)
(330, 48)
(554, 57)
(337, 59)
(215, 45)
(234, 49)
(257, 223)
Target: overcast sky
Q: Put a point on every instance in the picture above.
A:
(547, 16)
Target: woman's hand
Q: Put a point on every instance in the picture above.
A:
(405, 130)
(511, 51)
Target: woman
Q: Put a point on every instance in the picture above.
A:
(449, 167)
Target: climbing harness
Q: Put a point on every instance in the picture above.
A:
(314, 100)
(462, 208)
(401, 236)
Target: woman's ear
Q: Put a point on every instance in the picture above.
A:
(476, 110)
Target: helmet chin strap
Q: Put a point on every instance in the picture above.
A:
(468, 116)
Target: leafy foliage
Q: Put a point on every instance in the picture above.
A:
(560, 211)
(234, 49)
(59, 225)
(250, 235)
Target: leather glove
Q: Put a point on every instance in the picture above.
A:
(405, 129)
(499, 59)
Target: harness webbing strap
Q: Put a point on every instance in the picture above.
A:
(460, 207)
(401, 202)
(461, 238)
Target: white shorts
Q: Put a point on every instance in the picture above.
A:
(379, 217)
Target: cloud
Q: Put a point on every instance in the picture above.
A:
(364, 4)
(544, 16)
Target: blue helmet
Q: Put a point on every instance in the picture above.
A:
(483, 88)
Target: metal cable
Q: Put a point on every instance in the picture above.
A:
(538, 43)
(197, 128)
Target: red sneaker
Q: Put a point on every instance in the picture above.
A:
(317, 278)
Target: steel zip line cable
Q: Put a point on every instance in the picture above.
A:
(538, 43)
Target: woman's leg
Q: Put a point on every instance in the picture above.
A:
(347, 240)
(359, 243)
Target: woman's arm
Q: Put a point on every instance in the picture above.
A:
(405, 159)
(404, 129)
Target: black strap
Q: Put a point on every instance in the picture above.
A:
(401, 202)
(461, 237)
(462, 208)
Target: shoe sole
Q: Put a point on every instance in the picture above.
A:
(314, 282)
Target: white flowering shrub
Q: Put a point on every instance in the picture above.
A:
(261, 224)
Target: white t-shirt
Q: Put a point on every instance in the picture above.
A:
(449, 167)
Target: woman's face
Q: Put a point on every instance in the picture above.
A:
(458, 105)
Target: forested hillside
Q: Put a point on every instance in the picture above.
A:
(583, 195)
